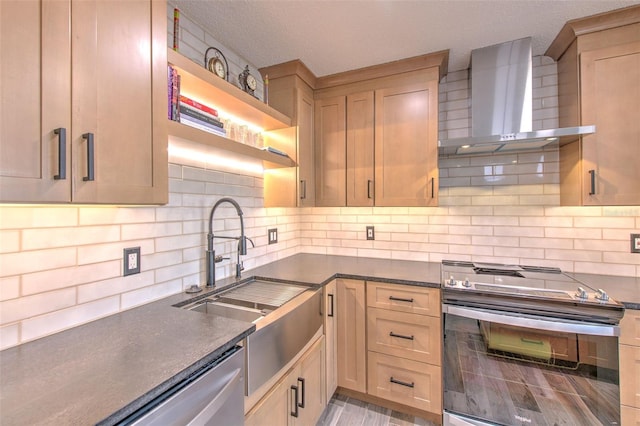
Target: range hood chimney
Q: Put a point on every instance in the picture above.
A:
(502, 103)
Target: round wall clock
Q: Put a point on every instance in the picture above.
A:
(217, 63)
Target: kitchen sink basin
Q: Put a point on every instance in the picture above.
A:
(250, 301)
(231, 310)
(286, 317)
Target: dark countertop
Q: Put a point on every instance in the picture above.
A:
(106, 369)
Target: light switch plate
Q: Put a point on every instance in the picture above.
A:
(131, 261)
(635, 243)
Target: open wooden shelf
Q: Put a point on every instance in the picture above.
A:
(205, 87)
(269, 159)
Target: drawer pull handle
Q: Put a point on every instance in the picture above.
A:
(400, 299)
(90, 157)
(331, 296)
(62, 153)
(295, 401)
(592, 176)
(392, 334)
(534, 342)
(301, 381)
(399, 382)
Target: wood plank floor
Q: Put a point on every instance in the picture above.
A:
(345, 411)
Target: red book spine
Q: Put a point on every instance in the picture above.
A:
(199, 106)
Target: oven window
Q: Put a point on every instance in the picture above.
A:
(520, 376)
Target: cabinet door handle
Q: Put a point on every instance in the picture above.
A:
(90, 157)
(399, 382)
(62, 153)
(400, 299)
(331, 296)
(303, 187)
(592, 190)
(433, 189)
(392, 334)
(301, 381)
(369, 192)
(294, 413)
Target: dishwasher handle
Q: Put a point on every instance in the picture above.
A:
(208, 412)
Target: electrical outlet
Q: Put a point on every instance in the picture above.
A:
(131, 261)
(370, 233)
(273, 235)
(635, 243)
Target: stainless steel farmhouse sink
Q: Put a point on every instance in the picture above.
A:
(286, 315)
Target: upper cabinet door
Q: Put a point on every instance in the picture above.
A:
(119, 100)
(610, 96)
(360, 118)
(35, 83)
(406, 145)
(306, 171)
(330, 145)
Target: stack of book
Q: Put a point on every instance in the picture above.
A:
(195, 114)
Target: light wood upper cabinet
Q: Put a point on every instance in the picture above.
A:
(599, 84)
(610, 96)
(360, 121)
(35, 89)
(330, 149)
(292, 95)
(406, 145)
(101, 67)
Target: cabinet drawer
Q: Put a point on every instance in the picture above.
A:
(404, 381)
(534, 343)
(411, 336)
(630, 416)
(630, 375)
(630, 328)
(404, 298)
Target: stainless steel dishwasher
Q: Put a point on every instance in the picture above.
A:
(214, 396)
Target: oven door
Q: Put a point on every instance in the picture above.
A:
(512, 369)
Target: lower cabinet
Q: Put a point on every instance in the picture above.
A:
(630, 367)
(389, 342)
(299, 397)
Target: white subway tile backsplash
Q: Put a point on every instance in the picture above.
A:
(24, 262)
(39, 282)
(43, 325)
(9, 288)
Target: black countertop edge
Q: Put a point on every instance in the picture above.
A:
(143, 400)
(631, 305)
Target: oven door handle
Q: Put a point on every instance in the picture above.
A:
(529, 322)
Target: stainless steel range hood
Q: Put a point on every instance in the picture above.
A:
(502, 104)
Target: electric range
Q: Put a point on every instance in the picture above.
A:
(536, 290)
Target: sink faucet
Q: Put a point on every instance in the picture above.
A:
(211, 254)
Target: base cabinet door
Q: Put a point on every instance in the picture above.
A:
(352, 351)
(630, 375)
(298, 398)
(331, 338)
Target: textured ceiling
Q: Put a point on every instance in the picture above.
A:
(332, 36)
